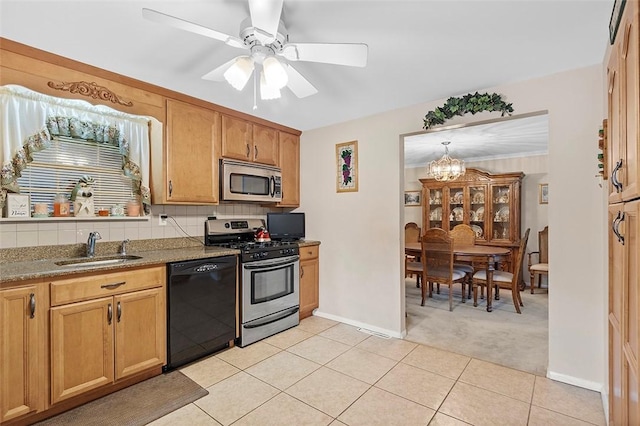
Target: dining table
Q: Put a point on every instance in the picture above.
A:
(490, 253)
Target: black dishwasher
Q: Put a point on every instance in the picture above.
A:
(201, 308)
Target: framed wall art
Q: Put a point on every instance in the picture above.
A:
(412, 198)
(544, 193)
(347, 166)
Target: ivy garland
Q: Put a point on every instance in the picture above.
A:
(472, 103)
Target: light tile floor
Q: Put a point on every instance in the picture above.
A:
(327, 373)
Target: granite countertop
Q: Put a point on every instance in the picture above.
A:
(31, 263)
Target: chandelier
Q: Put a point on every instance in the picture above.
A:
(446, 168)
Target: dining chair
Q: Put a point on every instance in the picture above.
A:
(436, 264)
(464, 235)
(504, 279)
(411, 235)
(537, 270)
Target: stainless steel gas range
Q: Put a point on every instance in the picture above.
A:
(269, 277)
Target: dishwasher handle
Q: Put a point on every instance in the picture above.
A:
(202, 266)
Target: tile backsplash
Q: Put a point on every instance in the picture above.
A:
(182, 221)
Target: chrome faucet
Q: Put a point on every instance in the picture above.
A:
(123, 247)
(91, 243)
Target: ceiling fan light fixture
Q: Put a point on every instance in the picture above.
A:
(274, 72)
(446, 168)
(268, 91)
(239, 73)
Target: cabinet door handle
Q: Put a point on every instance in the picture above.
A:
(248, 150)
(255, 152)
(170, 188)
(114, 285)
(109, 313)
(301, 272)
(119, 311)
(32, 305)
(614, 177)
(620, 236)
(614, 225)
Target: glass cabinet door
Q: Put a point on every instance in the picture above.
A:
(434, 210)
(456, 206)
(501, 221)
(477, 196)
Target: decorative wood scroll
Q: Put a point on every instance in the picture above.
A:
(89, 89)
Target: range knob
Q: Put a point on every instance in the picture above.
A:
(264, 254)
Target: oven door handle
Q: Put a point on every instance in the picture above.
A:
(274, 318)
(270, 263)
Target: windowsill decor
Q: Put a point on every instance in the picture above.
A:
(469, 103)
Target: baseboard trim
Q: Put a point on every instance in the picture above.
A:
(570, 380)
(376, 330)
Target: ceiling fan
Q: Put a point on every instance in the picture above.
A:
(266, 39)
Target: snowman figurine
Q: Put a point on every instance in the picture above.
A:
(82, 197)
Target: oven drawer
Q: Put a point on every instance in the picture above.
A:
(99, 284)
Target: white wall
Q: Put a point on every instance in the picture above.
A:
(361, 254)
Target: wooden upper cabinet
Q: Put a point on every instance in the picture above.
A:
(236, 138)
(243, 140)
(623, 79)
(191, 159)
(265, 145)
(290, 166)
(629, 34)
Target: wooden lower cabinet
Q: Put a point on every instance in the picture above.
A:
(624, 313)
(309, 280)
(23, 345)
(105, 328)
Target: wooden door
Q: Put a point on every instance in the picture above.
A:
(81, 347)
(614, 124)
(192, 159)
(629, 34)
(309, 280)
(265, 145)
(236, 138)
(290, 166)
(140, 331)
(22, 312)
(617, 389)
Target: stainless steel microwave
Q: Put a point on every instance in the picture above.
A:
(250, 182)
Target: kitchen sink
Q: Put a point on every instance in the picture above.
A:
(97, 261)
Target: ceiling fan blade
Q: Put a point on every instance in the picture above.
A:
(349, 54)
(299, 85)
(265, 15)
(161, 18)
(218, 73)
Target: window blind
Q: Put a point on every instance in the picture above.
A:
(58, 168)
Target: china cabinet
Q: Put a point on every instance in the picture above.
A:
(623, 148)
(489, 203)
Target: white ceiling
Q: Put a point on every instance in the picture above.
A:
(418, 50)
(514, 136)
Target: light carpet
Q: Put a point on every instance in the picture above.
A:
(503, 337)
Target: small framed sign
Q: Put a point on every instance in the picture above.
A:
(17, 206)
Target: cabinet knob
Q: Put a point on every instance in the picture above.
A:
(301, 272)
(119, 311)
(255, 152)
(109, 313)
(248, 150)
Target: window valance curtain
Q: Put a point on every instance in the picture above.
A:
(28, 121)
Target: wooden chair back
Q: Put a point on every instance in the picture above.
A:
(437, 255)
(463, 235)
(411, 233)
(518, 267)
(543, 245)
